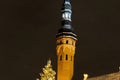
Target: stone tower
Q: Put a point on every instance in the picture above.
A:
(65, 40)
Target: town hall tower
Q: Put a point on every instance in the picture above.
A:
(65, 40)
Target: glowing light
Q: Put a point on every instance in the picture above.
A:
(66, 16)
(85, 76)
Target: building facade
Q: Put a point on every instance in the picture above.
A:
(112, 76)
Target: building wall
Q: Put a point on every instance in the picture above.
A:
(112, 76)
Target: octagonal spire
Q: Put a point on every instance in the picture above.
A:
(66, 15)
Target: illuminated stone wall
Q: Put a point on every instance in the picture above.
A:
(113, 76)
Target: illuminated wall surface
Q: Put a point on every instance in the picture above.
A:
(112, 76)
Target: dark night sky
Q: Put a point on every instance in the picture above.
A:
(28, 29)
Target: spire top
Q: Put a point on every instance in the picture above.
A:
(66, 1)
(66, 30)
(66, 15)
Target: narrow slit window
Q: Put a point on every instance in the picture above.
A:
(60, 57)
(72, 43)
(66, 57)
(60, 42)
(67, 42)
(71, 58)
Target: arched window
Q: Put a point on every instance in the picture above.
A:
(66, 57)
(60, 57)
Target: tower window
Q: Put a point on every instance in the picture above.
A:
(66, 57)
(60, 57)
(72, 43)
(60, 42)
(67, 42)
(71, 58)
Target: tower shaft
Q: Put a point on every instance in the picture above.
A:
(65, 52)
